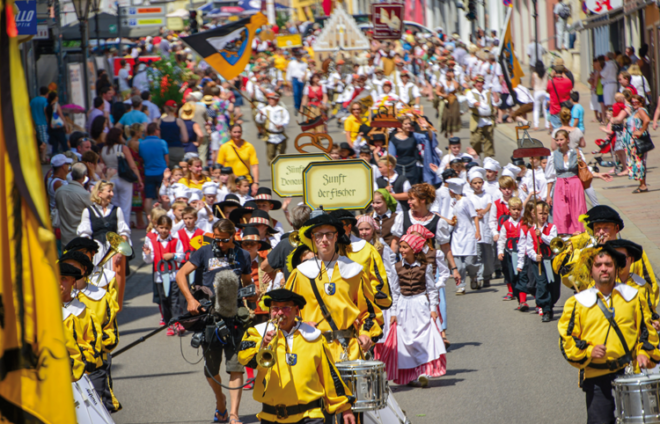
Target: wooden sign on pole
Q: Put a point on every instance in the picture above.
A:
(346, 184)
(286, 172)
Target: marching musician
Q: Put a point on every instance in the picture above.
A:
(482, 120)
(104, 308)
(76, 345)
(603, 329)
(304, 384)
(366, 255)
(341, 299)
(274, 118)
(605, 223)
(633, 253)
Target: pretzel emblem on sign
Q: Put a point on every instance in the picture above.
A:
(315, 140)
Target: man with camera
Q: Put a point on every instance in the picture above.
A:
(297, 381)
(225, 267)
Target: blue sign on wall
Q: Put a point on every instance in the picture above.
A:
(26, 19)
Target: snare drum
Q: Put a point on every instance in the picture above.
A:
(637, 398)
(89, 407)
(367, 382)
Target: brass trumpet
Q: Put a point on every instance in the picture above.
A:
(267, 356)
(294, 239)
(117, 245)
(557, 245)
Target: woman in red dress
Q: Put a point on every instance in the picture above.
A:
(314, 101)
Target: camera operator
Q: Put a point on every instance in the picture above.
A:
(221, 255)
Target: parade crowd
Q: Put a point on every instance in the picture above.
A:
(374, 281)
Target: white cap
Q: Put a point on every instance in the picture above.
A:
(59, 160)
(196, 194)
(511, 170)
(198, 96)
(455, 185)
(182, 192)
(477, 172)
(210, 188)
(491, 164)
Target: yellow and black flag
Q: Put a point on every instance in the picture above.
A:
(228, 48)
(511, 68)
(35, 374)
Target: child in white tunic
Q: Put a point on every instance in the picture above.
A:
(482, 203)
(414, 350)
(465, 234)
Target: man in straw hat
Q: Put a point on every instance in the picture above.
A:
(605, 328)
(483, 104)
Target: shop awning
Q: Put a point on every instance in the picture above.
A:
(599, 20)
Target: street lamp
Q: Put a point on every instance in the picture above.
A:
(96, 4)
(82, 13)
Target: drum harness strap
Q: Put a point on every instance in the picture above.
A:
(283, 412)
(335, 334)
(627, 357)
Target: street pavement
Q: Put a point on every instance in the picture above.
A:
(503, 366)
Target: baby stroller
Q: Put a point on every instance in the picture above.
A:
(605, 145)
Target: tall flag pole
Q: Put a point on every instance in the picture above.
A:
(35, 373)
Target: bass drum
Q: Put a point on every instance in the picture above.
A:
(89, 407)
(637, 399)
(391, 414)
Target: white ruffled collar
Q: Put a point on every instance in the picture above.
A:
(588, 298)
(638, 280)
(347, 268)
(93, 292)
(76, 307)
(308, 332)
(357, 243)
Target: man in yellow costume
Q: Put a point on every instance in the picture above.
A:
(101, 277)
(366, 255)
(341, 300)
(76, 345)
(303, 381)
(605, 224)
(603, 329)
(105, 309)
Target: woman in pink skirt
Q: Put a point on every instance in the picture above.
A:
(568, 201)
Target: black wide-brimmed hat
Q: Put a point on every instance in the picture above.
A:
(82, 243)
(236, 216)
(259, 217)
(81, 258)
(284, 295)
(344, 215)
(252, 234)
(320, 220)
(619, 258)
(230, 200)
(634, 250)
(264, 193)
(70, 271)
(603, 213)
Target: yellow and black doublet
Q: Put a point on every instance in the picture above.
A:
(303, 380)
(107, 281)
(366, 255)
(346, 293)
(645, 294)
(76, 345)
(105, 308)
(91, 334)
(584, 325)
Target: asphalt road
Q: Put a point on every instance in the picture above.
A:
(503, 366)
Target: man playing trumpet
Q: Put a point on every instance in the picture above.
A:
(296, 376)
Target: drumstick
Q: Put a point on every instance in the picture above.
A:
(220, 210)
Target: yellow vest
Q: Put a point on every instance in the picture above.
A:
(75, 344)
(105, 309)
(366, 255)
(583, 326)
(348, 297)
(309, 375)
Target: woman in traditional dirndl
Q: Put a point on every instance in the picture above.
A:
(314, 102)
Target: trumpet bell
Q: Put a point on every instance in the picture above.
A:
(118, 243)
(266, 358)
(294, 239)
(557, 245)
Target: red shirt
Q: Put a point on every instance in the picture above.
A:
(631, 88)
(617, 108)
(564, 87)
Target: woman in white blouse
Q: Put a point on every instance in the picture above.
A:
(99, 219)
